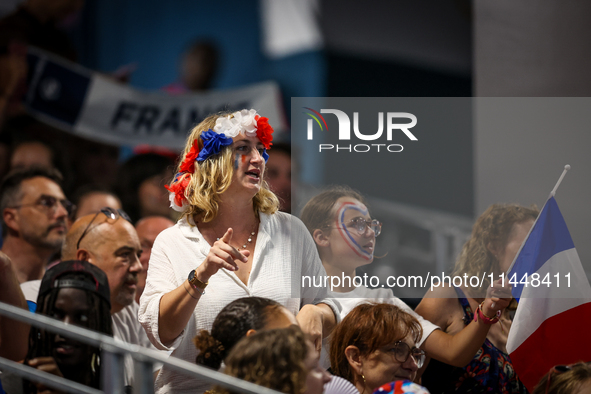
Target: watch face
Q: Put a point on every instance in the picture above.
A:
(191, 275)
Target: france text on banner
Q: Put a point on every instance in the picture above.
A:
(552, 321)
(93, 106)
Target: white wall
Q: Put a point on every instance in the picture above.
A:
(538, 50)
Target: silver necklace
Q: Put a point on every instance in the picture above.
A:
(250, 237)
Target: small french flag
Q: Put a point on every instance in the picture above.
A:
(553, 321)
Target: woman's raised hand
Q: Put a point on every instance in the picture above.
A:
(223, 255)
(499, 293)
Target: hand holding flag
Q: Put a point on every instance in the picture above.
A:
(552, 323)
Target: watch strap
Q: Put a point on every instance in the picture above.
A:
(195, 282)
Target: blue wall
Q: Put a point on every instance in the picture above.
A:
(154, 33)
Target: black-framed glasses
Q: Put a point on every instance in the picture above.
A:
(110, 213)
(49, 204)
(361, 225)
(402, 352)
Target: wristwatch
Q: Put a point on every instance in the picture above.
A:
(196, 283)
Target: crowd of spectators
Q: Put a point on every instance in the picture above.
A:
(198, 257)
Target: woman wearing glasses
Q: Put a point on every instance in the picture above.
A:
(376, 344)
(345, 236)
(229, 243)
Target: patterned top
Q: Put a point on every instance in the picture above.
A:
(490, 371)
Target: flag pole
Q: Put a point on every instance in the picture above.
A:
(553, 192)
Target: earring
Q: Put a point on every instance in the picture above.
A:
(364, 382)
(95, 362)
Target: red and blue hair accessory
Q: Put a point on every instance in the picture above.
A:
(245, 122)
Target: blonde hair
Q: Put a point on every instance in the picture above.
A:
(492, 229)
(213, 176)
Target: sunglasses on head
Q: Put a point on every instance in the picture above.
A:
(110, 213)
(558, 370)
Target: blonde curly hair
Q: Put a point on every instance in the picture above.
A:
(491, 231)
(213, 176)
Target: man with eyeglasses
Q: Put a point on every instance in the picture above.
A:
(108, 240)
(34, 219)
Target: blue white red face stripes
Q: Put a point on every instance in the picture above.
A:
(349, 238)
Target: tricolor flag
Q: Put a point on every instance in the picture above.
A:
(553, 321)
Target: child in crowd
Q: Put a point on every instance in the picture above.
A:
(345, 235)
(280, 359)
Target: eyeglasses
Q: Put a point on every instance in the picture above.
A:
(361, 225)
(49, 204)
(402, 352)
(110, 213)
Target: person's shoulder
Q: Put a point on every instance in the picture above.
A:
(30, 289)
(439, 304)
(174, 231)
(379, 295)
(283, 219)
(277, 217)
(128, 313)
(445, 290)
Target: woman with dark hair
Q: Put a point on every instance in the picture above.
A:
(75, 292)
(240, 318)
(496, 238)
(140, 185)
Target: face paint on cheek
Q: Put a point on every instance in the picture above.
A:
(236, 160)
(344, 231)
(243, 158)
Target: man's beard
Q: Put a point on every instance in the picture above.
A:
(126, 296)
(48, 241)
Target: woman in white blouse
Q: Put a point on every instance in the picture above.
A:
(231, 242)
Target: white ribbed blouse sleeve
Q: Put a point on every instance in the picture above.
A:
(161, 279)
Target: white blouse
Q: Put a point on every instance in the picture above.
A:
(284, 252)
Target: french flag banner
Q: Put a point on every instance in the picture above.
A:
(93, 106)
(553, 321)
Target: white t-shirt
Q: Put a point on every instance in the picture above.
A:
(362, 294)
(31, 289)
(284, 252)
(127, 328)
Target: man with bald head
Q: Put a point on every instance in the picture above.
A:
(108, 240)
(148, 229)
